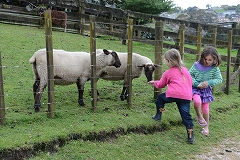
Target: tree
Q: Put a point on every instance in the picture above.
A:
(177, 10)
(148, 6)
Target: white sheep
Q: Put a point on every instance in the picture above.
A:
(69, 68)
(139, 64)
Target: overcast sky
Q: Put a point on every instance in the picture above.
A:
(202, 3)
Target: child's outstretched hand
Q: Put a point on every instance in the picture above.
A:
(203, 85)
(151, 82)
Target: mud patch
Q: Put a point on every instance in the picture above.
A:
(226, 109)
(22, 153)
(52, 146)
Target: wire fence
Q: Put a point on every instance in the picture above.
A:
(65, 96)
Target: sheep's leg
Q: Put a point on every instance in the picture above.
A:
(124, 93)
(35, 87)
(38, 97)
(122, 96)
(98, 95)
(97, 91)
(80, 94)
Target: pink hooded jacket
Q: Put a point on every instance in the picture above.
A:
(179, 83)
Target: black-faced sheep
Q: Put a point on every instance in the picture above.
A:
(69, 68)
(139, 64)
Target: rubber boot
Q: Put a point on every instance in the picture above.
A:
(158, 115)
(190, 136)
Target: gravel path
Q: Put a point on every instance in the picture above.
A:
(226, 150)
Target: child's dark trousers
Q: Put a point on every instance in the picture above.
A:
(183, 107)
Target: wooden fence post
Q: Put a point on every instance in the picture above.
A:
(2, 104)
(49, 50)
(236, 67)
(214, 37)
(176, 45)
(125, 18)
(111, 22)
(135, 31)
(93, 62)
(234, 40)
(81, 12)
(228, 62)
(129, 62)
(182, 40)
(199, 43)
(138, 32)
(239, 82)
(237, 62)
(158, 54)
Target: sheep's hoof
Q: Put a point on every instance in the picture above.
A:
(122, 97)
(37, 109)
(81, 103)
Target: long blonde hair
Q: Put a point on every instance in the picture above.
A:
(174, 58)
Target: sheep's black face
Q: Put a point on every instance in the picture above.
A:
(149, 69)
(117, 62)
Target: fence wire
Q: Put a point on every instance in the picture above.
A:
(26, 91)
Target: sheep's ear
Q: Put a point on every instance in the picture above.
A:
(106, 51)
(142, 65)
(157, 65)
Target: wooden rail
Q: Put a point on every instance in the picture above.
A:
(112, 21)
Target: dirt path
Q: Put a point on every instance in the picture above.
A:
(227, 150)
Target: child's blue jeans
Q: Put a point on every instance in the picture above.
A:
(183, 107)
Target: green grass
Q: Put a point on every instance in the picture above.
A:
(221, 51)
(166, 145)
(24, 128)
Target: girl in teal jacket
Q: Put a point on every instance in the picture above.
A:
(205, 74)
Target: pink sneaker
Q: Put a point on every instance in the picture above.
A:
(202, 123)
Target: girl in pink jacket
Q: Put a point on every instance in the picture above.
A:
(179, 89)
